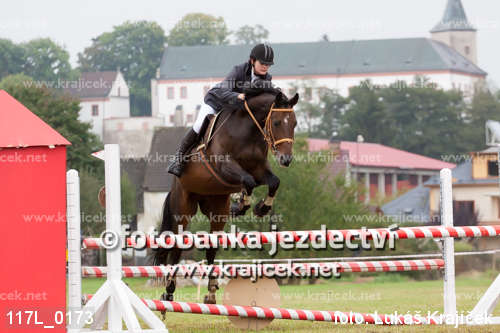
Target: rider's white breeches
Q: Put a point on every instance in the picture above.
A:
(204, 111)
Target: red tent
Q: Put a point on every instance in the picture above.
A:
(32, 219)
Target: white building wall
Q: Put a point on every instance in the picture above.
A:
(464, 42)
(119, 88)
(196, 89)
(133, 134)
(485, 199)
(195, 95)
(117, 107)
(85, 115)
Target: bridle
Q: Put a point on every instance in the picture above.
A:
(267, 131)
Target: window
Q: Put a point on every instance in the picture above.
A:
(189, 118)
(184, 92)
(493, 168)
(95, 110)
(170, 92)
(206, 89)
(463, 207)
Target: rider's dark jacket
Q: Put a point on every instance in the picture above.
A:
(227, 91)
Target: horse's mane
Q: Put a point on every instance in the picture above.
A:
(253, 92)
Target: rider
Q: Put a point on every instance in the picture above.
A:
(229, 91)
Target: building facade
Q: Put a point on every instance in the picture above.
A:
(382, 171)
(102, 95)
(447, 59)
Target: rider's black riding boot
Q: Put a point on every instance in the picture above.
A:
(189, 140)
(179, 162)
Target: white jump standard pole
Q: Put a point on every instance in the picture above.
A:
(114, 295)
(450, 300)
(74, 252)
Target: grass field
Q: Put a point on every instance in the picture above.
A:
(384, 294)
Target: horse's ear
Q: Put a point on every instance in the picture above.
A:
(279, 96)
(294, 100)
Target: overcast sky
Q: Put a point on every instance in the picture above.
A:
(73, 23)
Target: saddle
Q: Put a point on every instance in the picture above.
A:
(207, 135)
(209, 132)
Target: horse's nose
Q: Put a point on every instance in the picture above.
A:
(285, 160)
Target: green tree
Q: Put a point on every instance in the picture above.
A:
(93, 215)
(484, 106)
(61, 113)
(251, 35)
(93, 220)
(424, 119)
(134, 47)
(128, 199)
(45, 60)
(199, 29)
(366, 115)
(332, 107)
(308, 110)
(11, 58)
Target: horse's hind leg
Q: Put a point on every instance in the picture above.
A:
(182, 208)
(216, 208)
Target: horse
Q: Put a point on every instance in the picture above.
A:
(240, 141)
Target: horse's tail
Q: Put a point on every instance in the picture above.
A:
(160, 254)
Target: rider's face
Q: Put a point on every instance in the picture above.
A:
(260, 68)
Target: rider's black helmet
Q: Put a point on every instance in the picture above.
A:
(264, 53)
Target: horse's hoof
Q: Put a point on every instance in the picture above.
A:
(261, 209)
(237, 211)
(209, 299)
(167, 297)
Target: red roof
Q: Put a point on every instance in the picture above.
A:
(19, 127)
(377, 155)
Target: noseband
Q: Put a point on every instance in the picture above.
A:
(267, 131)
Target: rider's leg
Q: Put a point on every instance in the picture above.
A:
(190, 139)
(202, 115)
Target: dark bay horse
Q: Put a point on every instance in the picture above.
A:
(241, 141)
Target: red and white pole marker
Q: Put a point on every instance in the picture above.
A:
(336, 317)
(307, 235)
(234, 270)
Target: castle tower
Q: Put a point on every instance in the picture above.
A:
(455, 31)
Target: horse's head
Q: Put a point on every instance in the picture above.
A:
(276, 112)
(281, 127)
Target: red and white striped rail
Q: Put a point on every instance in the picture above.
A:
(235, 270)
(336, 317)
(308, 235)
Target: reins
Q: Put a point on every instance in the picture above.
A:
(267, 131)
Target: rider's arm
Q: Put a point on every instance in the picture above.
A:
(224, 90)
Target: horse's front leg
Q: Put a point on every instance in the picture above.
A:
(264, 206)
(234, 173)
